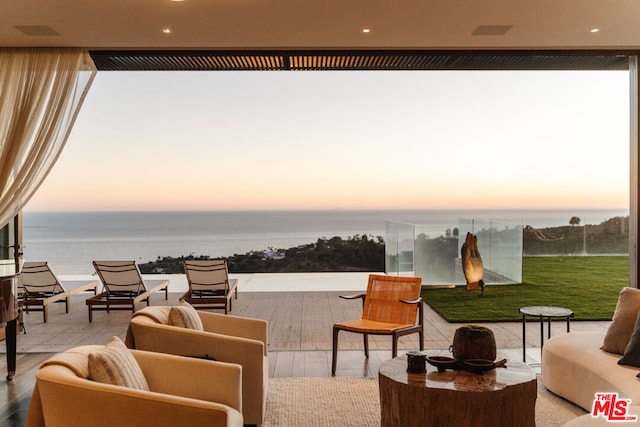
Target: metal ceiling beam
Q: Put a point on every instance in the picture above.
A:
(334, 60)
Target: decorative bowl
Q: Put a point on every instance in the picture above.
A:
(478, 366)
(443, 362)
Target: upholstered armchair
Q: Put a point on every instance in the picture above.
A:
(181, 391)
(224, 338)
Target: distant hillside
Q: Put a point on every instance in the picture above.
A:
(359, 253)
(366, 253)
(610, 237)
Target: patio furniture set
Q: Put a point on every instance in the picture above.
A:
(123, 287)
(222, 381)
(216, 343)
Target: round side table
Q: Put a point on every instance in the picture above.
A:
(542, 312)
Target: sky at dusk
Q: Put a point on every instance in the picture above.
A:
(332, 140)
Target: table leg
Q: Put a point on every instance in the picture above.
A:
(11, 344)
(568, 321)
(541, 332)
(524, 339)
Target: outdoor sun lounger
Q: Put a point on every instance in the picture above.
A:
(38, 287)
(209, 284)
(123, 287)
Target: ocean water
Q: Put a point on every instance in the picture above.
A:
(69, 241)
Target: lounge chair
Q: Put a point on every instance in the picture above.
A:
(391, 306)
(39, 287)
(123, 287)
(209, 284)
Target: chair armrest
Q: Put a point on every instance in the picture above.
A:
(415, 301)
(143, 296)
(420, 303)
(194, 378)
(353, 296)
(362, 296)
(53, 298)
(243, 327)
(85, 286)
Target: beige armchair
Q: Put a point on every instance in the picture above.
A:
(182, 390)
(225, 338)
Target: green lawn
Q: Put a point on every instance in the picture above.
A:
(587, 285)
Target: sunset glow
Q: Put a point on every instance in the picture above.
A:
(424, 140)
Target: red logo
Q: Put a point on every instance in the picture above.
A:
(610, 407)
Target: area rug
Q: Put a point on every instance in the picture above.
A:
(354, 402)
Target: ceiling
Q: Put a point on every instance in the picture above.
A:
(113, 29)
(321, 24)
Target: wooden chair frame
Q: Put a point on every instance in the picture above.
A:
(38, 287)
(123, 287)
(372, 326)
(209, 284)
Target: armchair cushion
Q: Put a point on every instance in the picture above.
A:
(623, 322)
(114, 364)
(185, 316)
(632, 352)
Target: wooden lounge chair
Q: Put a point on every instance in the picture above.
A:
(39, 287)
(209, 284)
(391, 306)
(123, 287)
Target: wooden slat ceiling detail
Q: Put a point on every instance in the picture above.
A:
(356, 60)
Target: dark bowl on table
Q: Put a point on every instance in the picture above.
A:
(442, 362)
(478, 366)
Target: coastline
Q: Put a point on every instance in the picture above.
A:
(69, 241)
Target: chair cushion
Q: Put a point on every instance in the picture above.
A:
(632, 352)
(185, 316)
(114, 364)
(623, 322)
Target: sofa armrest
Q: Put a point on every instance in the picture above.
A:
(255, 329)
(194, 378)
(70, 401)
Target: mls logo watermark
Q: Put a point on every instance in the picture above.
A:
(612, 408)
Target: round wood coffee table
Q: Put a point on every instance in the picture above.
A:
(501, 397)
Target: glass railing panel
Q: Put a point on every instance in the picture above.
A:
(500, 246)
(391, 262)
(406, 249)
(435, 253)
(432, 251)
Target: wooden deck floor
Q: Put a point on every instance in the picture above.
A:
(300, 334)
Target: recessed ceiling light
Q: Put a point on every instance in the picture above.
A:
(366, 30)
(595, 30)
(166, 30)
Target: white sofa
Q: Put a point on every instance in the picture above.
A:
(574, 367)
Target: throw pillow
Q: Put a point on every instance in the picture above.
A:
(632, 352)
(114, 364)
(185, 316)
(623, 322)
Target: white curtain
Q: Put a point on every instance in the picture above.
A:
(41, 91)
